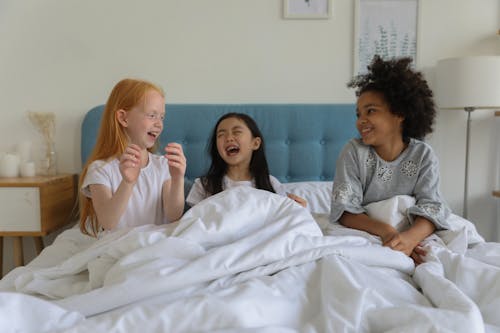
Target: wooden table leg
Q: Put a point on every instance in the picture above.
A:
(1, 257)
(18, 251)
(38, 244)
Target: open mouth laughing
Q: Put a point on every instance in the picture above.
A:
(365, 131)
(153, 135)
(232, 150)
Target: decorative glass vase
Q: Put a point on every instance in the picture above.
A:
(52, 158)
(48, 165)
(45, 123)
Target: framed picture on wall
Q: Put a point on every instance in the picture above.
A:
(307, 9)
(384, 27)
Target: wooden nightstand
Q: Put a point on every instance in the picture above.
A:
(34, 207)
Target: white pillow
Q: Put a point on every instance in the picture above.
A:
(318, 194)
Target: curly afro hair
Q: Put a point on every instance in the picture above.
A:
(404, 89)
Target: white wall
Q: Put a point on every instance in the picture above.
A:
(65, 56)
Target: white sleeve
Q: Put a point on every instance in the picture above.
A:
(278, 187)
(96, 174)
(197, 193)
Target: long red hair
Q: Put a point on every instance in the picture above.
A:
(111, 140)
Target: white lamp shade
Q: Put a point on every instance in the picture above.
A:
(468, 82)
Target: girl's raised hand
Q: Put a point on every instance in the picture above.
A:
(130, 163)
(176, 160)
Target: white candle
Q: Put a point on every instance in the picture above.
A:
(10, 166)
(27, 169)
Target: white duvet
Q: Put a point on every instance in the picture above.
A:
(247, 260)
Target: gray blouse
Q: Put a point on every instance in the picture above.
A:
(362, 177)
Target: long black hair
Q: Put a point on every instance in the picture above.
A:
(212, 181)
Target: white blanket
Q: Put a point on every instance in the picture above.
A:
(247, 260)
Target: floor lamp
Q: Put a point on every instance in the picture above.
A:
(468, 83)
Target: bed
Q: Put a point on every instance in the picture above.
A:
(247, 260)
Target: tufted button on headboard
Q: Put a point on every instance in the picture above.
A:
(302, 141)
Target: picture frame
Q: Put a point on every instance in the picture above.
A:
(307, 9)
(388, 28)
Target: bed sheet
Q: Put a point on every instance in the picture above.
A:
(248, 260)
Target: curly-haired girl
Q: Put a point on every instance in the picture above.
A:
(395, 111)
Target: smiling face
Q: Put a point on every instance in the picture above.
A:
(376, 124)
(235, 142)
(144, 122)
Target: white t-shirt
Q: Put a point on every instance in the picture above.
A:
(198, 193)
(145, 204)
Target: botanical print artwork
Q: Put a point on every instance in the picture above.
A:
(387, 28)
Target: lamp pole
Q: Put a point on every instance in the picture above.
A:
(467, 145)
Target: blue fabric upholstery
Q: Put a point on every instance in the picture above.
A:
(302, 141)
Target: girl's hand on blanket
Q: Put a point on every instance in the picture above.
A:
(418, 255)
(402, 242)
(176, 160)
(130, 163)
(387, 233)
(301, 201)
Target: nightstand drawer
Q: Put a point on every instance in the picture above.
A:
(20, 207)
(36, 206)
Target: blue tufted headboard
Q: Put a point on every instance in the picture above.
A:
(302, 140)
